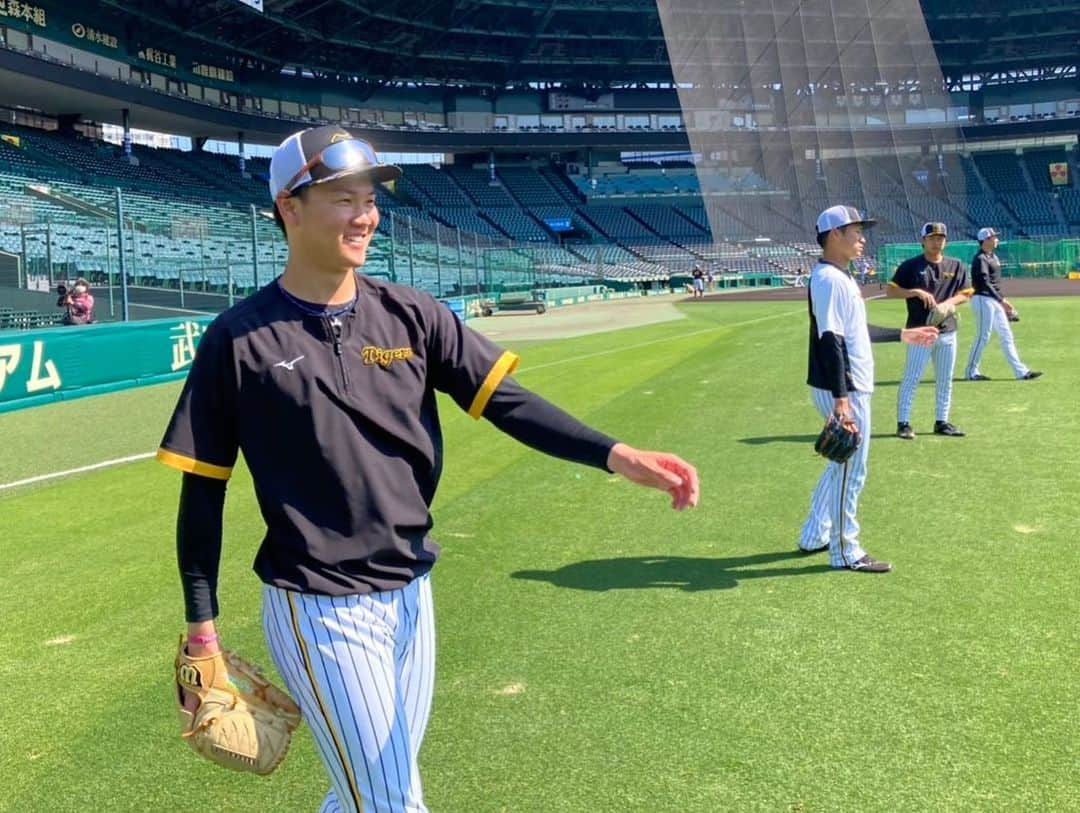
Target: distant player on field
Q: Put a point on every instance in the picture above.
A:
(698, 282)
(992, 311)
(924, 281)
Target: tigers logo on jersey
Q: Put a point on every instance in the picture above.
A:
(385, 356)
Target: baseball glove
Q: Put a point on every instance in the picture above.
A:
(242, 721)
(838, 440)
(939, 313)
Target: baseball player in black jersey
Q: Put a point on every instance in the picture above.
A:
(933, 286)
(325, 380)
(698, 282)
(993, 311)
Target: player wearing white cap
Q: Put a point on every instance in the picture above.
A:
(325, 379)
(993, 311)
(841, 379)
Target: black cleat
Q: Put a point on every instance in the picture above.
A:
(904, 430)
(1030, 374)
(869, 565)
(946, 428)
(979, 377)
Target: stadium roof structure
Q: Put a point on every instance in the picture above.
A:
(1003, 35)
(347, 52)
(591, 43)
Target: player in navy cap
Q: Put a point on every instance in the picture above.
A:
(927, 281)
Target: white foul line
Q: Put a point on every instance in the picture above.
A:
(169, 308)
(79, 470)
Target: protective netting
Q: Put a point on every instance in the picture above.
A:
(1019, 258)
(796, 105)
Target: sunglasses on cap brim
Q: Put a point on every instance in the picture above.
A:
(344, 157)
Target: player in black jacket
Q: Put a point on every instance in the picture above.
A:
(993, 311)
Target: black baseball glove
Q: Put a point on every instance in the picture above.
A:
(838, 440)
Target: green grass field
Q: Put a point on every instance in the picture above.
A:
(598, 651)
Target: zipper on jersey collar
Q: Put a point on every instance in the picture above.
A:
(334, 328)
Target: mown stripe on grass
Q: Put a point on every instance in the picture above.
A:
(624, 348)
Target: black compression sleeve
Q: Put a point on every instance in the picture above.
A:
(883, 334)
(832, 361)
(198, 544)
(531, 420)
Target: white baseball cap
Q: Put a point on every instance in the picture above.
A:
(986, 234)
(836, 217)
(323, 154)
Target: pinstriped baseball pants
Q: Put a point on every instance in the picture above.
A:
(362, 670)
(943, 352)
(831, 520)
(990, 317)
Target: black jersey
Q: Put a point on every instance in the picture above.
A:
(337, 421)
(986, 275)
(943, 279)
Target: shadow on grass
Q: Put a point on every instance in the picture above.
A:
(673, 572)
(808, 439)
(928, 380)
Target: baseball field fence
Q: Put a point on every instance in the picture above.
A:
(1019, 258)
(148, 256)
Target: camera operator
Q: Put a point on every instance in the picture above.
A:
(78, 301)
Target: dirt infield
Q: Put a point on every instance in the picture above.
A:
(1014, 289)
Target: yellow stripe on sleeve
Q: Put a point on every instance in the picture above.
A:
(193, 466)
(968, 291)
(505, 365)
(893, 284)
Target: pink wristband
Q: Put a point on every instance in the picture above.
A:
(202, 640)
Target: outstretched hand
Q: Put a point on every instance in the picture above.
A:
(923, 336)
(659, 470)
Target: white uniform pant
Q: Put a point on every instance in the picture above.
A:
(835, 500)
(990, 318)
(362, 670)
(943, 352)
